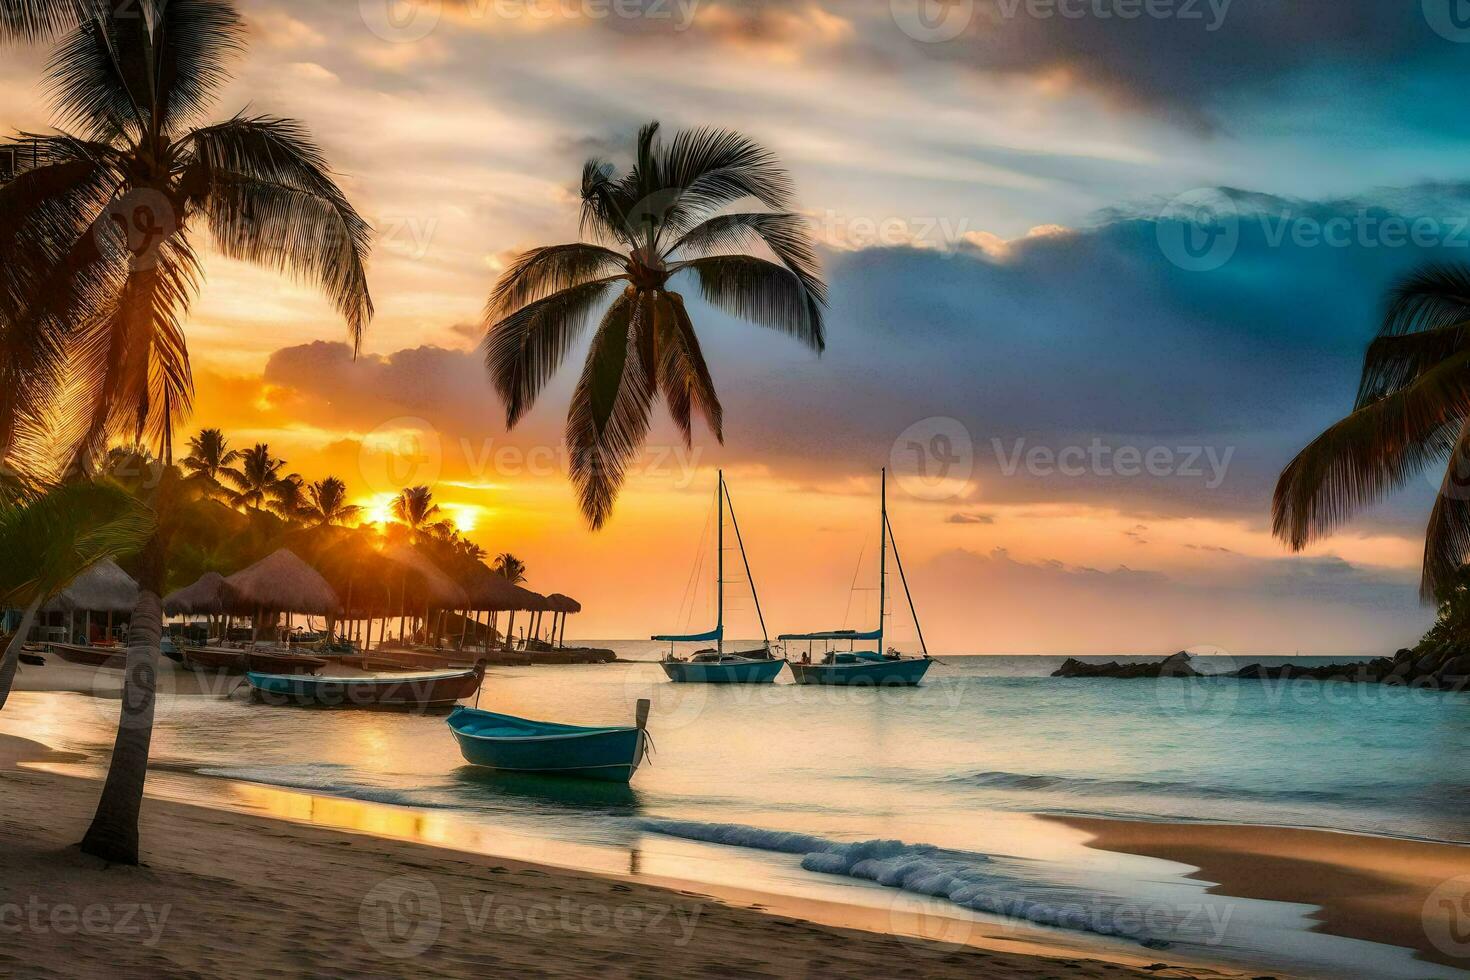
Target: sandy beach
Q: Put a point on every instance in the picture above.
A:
(225, 893)
(1374, 888)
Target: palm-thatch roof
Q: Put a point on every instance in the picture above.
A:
(280, 582)
(435, 588)
(493, 593)
(563, 603)
(204, 597)
(103, 587)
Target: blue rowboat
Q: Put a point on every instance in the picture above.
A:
(729, 669)
(863, 669)
(402, 692)
(510, 744)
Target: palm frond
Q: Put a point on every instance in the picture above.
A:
(604, 214)
(1428, 298)
(783, 232)
(711, 168)
(200, 37)
(762, 292)
(271, 198)
(1372, 451)
(538, 273)
(1395, 360)
(49, 538)
(40, 20)
(684, 377)
(1447, 538)
(102, 74)
(609, 413)
(523, 350)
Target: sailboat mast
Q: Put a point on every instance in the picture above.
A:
(739, 540)
(898, 560)
(720, 567)
(883, 560)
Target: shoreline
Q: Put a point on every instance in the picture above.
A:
(1372, 888)
(229, 892)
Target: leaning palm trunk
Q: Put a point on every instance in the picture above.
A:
(113, 835)
(12, 651)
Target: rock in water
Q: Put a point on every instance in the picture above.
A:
(1179, 665)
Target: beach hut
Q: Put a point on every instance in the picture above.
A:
(204, 597)
(104, 588)
(561, 605)
(425, 585)
(280, 582)
(494, 594)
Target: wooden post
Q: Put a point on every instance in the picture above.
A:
(510, 631)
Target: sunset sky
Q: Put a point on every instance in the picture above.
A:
(999, 196)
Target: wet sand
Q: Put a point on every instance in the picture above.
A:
(225, 893)
(1400, 892)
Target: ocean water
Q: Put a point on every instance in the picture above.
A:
(883, 799)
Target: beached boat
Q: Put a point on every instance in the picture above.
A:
(509, 744)
(428, 691)
(113, 657)
(222, 660)
(868, 668)
(282, 662)
(716, 666)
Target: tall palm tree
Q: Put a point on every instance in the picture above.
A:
(100, 240)
(102, 236)
(510, 568)
(258, 478)
(327, 503)
(662, 219)
(415, 509)
(48, 539)
(209, 458)
(1412, 411)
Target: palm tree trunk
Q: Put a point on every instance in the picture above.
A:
(12, 652)
(113, 835)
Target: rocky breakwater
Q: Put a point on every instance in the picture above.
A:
(1179, 665)
(1443, 668)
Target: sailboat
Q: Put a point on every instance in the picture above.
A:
(872, 668)
(715, 666)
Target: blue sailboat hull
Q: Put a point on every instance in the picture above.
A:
(724, 672)
(906, 672)
(510, 744)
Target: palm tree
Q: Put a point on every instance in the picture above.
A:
(415, 509)
(662, 217)
(288, 498)
(101, 237)
(101, 265)
(327, 503)
(510, 568)
(1412, 411)
(258, 478)
(48, 539)
(209, 458)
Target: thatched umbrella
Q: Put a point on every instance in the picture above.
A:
(103, 587)
(204, 598)
(432, 588)
(280, 582)
(561, 605)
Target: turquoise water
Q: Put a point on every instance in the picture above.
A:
(864, 795)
